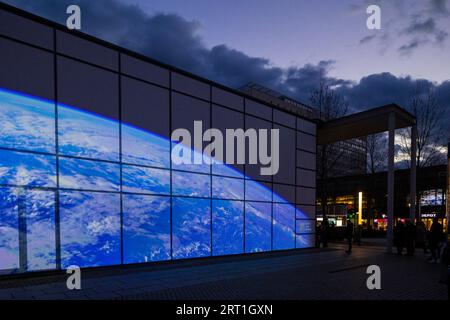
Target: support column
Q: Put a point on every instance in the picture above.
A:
(390, 186)
(447, 207)
(413, 179)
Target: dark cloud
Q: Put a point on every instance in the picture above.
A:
(299, 82)
(423, 32)
(379, 89)
(440, 36)
(367, 39)
(407, 49)
(165, 37)
(424, 25)
(176, 41)
(421, 26)
(235, 68)
(385, 88)
(438, 7)
(427, 27)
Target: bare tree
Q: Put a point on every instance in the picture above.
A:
(330, 105)
(376, 153)
(431, 129)
(432, 133)
(376, 162)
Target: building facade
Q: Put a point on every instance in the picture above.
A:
(343, 158)
(86, 173)
(431, 187)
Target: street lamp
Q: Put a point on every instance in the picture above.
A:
(360, 194)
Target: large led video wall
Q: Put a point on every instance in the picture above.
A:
(86, 176)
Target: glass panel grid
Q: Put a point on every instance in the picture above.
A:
(79, 152)
(269, 218)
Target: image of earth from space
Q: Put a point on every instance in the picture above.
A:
(99, 198)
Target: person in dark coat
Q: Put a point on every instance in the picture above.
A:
(324, 232)
(421, 236)
(349, 235)
(446, 267)
(410, 238)
(399, 237)
(436, 235)
(318, 235)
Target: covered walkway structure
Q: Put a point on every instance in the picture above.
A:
(381, 119)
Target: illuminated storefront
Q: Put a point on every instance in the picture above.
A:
(447, 203)
(86, 176)
(432, 206)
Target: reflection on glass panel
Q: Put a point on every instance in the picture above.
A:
(185, 112)
(146, 228)
(145, 148)
(227, 188)
(223, 119)
(26, 122)
(90, 229)
(191, 160)
(25, 169)
(283, 193)
(85, 134)
(222, 169)
(191, 228)
(258, 226)
(145, 180)
(283, 226)
(40, 222)
(87, 174)
(90, 221)
(257, 191)
(306, 226)
(286, 172)
(305, 241)
(278, 198)
(9, 230)
(191, 184)
(228, 227)
(305, 212)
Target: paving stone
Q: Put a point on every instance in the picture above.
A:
(320, 274)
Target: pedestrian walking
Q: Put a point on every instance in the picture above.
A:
(445, 275)
(436, 236)
(324, 232)
(349, 235)
(318, 235)
(421, 236)
(399, 237)
(410, 237)
(358, 235)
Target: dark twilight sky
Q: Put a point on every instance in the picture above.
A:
(287, 45)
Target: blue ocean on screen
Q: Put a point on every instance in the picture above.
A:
(110, 187)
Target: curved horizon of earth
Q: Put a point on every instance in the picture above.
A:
(89, 194)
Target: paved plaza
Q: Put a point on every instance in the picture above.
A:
(306, 274)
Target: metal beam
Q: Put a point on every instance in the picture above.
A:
(390, 186)
(363, 124)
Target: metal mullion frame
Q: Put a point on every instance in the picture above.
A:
(271, 194)
(57, 209)
(295, 178)
(210, 178)
(119, 56)
(244, 180)
(170, 164)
